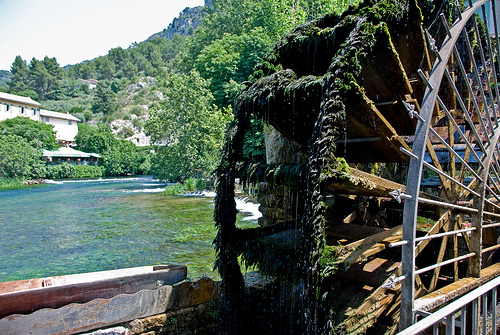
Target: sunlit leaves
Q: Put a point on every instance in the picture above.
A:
(188, 128)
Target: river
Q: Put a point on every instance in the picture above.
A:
(80, 226)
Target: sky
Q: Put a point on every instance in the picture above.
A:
(76, 30)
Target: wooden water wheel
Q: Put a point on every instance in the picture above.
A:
(394, 107)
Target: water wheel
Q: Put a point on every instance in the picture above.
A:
(392, 109)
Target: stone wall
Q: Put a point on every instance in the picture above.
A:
(278, 202)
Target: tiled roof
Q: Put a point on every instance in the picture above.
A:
(19, 99)
(58, 115)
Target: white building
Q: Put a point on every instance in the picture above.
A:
(65, 125)
(14, 105)
(91, 83)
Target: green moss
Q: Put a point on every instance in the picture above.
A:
(329, 260)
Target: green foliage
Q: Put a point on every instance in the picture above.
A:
(189, 185)
(28, 93)
(44, 75)
(61, 171)
(19, 80)
(104, 99)
(229, 61)
(94, 138)
(37, 134)
(254, 148)
(144, 161)
(87, 115)
(4, 79)
(67, 170)
(121, 159)
(75, 110)
(18, 159)
(10, 182)
(192, 127)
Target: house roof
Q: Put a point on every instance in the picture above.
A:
(68, 153)
(18, 99)
(58, 115)
(89, 81)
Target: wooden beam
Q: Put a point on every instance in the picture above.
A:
(364, 183)
(55, 292)
(373, 273)
(456, 289)
(362, 249)
(100, 313)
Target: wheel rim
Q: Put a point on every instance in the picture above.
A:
(464, 125)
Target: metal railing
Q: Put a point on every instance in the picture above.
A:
(474, 313)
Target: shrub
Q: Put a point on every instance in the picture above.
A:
(62, 171)
(189, 185)
(88, 171)
(66, 170)
(18, 159)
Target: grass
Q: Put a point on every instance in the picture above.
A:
(10, 182)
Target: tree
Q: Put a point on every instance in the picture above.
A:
(229, 61)
(37, 134)
(121, 159)
(38, 77)
(104, 99)
(105, 68)
(54, 73)
(94, 139)
(191, 126)
(18, 159)
(19, 80)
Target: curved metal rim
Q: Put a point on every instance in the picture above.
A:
(417, 162)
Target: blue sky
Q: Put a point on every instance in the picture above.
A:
(76, 30)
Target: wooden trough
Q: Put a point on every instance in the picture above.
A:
(84, 302)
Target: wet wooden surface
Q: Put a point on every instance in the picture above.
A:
(25, 297)
(101, 313)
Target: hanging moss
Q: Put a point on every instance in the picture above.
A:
(276, 255)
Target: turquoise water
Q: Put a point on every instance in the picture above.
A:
(83, 226)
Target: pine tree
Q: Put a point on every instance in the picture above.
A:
(19, 79)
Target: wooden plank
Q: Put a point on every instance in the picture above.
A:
(352, 231)
(20, 285)
(362, 249)
(100, 313)
(84, 288)
(364, 183)
(456, 289)
(373, 273)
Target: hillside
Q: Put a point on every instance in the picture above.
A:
(126, 80)
(4, 77)
(185, 24)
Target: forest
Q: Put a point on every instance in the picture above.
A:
(178, 92)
